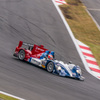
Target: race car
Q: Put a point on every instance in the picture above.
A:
(42, 57)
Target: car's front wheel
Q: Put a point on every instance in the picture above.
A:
(50, 67)
(21, 55)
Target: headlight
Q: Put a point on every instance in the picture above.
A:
(78, 71)
(58, 67)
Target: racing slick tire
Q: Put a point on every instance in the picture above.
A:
(50, 67)
(21, 55)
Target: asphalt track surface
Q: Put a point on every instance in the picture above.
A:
(37, 21)
(93, 6)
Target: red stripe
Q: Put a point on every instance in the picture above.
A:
(94, 69)
(83, 47)
(92, 62)
(98, 76)
(86, 54)
(60, 2)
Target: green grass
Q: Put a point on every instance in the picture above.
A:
(5, 97)
(82, 25)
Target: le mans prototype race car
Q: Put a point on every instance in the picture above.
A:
(42, 57)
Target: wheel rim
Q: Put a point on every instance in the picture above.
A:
(21, 55)
(50, 67)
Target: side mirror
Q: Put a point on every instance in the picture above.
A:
(70, 62)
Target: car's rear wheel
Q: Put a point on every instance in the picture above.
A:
(50, 67)
(21, 55)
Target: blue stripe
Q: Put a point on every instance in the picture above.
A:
(30, 59)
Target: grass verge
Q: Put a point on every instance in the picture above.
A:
(82, 25)
(5, 97)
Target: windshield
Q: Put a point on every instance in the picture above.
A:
(71, 66)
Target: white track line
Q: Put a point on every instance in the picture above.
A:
(1, 92)
(98, 26)
(93, 9)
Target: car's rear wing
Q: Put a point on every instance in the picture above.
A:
(35, 49)
(24, 43)
(28, 44)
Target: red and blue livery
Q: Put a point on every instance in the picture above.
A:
(42, 57)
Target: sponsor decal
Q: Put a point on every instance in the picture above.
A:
(43, 62)
(38, 55)
(39, 49)
(43, 66)
(34, 61)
